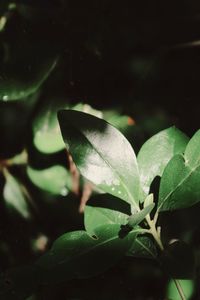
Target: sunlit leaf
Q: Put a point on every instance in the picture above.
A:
(14, 196)
(78, 255)
(56, 179)
(157, 152)
(102, 154)
(179, 187)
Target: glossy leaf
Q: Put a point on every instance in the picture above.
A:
(179, 187)
(14, 196)
(157, 152)
(98, 216)
(78, 255)
(143, 246)
(138, 217)
(56, 179)
(102, 154)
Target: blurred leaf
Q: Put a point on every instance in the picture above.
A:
(97, 216)
(122, 122)
(179, 187)
(102, 154)
(47, 136)
(56, 179)
(12, 88)
(14, 196)
(187, 286)
(157, 152)
(46, 130)
(78, 255)
(143, 246)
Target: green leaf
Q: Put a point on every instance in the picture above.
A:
(97, 216)
(102, 154)
(12, 88)
(55, 180)
(46, 130)
(78, 255)
(47, 137)
(14, 196)
(138, 217)
(148, 200)
(187, 286)
(157, 152)
(143, 246)
(179, 187)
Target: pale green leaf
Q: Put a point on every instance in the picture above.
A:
(14, 196)
(187, 286)
(55, 180)
(97, 216)
(157, 152)
(179, 187)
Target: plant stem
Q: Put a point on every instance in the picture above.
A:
(155, 232)
(179, 288)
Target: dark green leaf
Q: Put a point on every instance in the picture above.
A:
(12, 88)
(14, 196)
(157, 152)
(56, 179)
(102, 154)
(143, 246)
(78, 255)
(179, 187)
(97, 216)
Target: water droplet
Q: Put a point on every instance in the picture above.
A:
(64, 191)
(119, 192)
(5, 98)
(113, 189)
